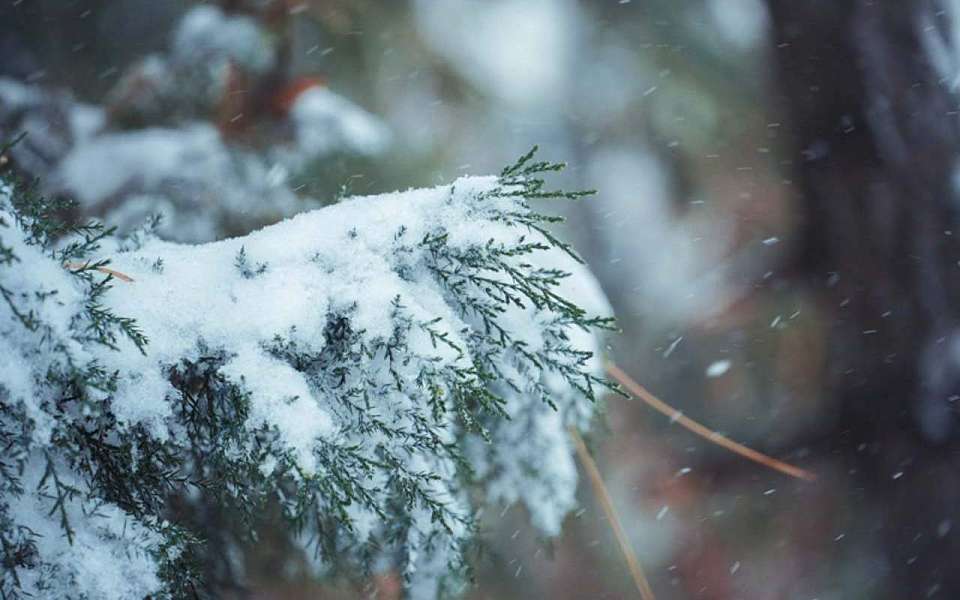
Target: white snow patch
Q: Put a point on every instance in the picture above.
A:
(718, 368)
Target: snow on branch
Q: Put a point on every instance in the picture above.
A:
(214, 133)
(364, 375)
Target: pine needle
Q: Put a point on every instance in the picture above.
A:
(73, 266)
(603, 496)
(676, 416)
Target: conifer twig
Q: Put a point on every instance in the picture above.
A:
(676, 416)
(603, 496)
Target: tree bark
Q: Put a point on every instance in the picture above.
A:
(875, 153)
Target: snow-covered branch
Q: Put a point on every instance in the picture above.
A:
(357, 374)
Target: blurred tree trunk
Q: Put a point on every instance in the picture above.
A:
(875, 153)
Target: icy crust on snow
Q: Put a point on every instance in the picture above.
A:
(267, 302)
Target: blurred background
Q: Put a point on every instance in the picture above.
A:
(777, 194)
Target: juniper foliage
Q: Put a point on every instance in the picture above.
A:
(355, 382)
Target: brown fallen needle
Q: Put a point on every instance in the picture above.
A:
(678, 417)
(73, 266)
(603, 496)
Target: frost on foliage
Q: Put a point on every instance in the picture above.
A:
(365, 374)
(208, 134)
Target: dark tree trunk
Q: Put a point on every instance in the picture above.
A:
(875, 149)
